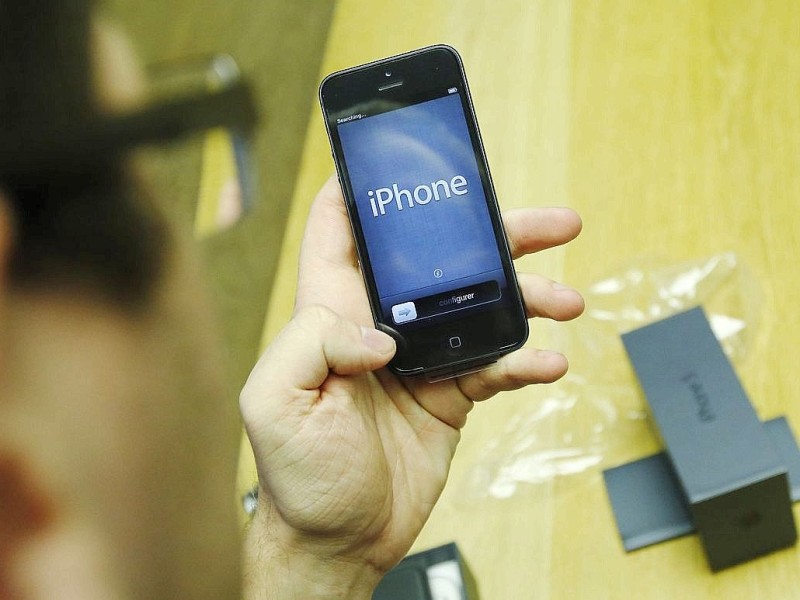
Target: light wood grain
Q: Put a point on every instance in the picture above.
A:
(673, 127)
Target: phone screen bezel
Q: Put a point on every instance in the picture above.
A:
(425, 74)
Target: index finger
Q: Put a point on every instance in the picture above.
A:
(534, 229)
(327, 233)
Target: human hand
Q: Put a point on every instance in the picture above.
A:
(351, 458)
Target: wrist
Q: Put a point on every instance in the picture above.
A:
(281, 566)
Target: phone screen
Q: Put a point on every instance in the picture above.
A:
(422, 210)
(424, 215)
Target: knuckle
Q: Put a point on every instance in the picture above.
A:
(317, 317)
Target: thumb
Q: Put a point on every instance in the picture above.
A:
(316, 342)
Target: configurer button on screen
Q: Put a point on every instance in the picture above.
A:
(404, 312)
(464, 297)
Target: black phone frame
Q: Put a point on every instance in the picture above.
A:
(394, 83)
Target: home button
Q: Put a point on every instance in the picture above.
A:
(455, 342)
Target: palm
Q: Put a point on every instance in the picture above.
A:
(374, 463)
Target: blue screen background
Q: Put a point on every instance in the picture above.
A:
(410, 146)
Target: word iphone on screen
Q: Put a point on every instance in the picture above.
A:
(428, 230)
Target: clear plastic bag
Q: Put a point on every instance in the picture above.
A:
(589, 420)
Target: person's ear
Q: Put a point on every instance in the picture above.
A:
(6, 241)
(24, 512)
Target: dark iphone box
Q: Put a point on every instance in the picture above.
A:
(436, 574)
(723, 472)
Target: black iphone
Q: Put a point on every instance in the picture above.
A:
(423, 210)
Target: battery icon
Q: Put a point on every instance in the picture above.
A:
(452, 90)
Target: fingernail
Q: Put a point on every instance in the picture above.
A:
(377, 340)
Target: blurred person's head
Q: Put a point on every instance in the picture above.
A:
(117, 444)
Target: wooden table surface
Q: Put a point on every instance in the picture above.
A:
(673, 128)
